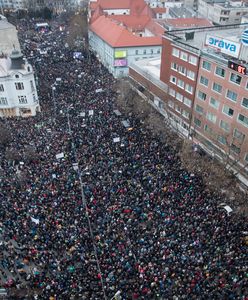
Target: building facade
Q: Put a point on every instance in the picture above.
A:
(122, 32)
(223, 12)
(118, 59)
(18, 93)
(207, 69)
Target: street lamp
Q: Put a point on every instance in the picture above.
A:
(54, 101)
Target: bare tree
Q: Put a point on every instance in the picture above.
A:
(5, 136)
(78, 30)
(12, 154)
(30, 154)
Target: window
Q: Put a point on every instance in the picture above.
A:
(3, 101)
(238, 135)
(201, 95)
(185, 114)
(171, 103)
(193, 60)
(232, 95)
(32, 85)
(217, 87)
(179, 97)
(220, 71)
(144, 51)
(228, 111)
(209, 129)
(158, 51)
(151, 51)
(182, 70)
(180, 83)
(199, 109)
(235, 149)
(191, 74)
(175, 52)
(187, 102)
(174, 66)
(17, 76)
(197, 122)
(177, 108)
(211, 117)
(214, 103)
(221, 139)
(245, 102)
(19, 86)
(34, 98)
(189, 88)
(184, 56)
(172, 92)
(235, 78)
(173, 79)
(243, 120)
(206, 65)
(1, 88)
(22, 99)
(225, 126)
(136, 52)
(204, 80)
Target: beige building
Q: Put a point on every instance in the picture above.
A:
(222, 12)
(8, 37)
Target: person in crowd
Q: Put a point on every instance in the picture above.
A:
(143, 228)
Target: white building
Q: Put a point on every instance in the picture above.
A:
(18, 94)
(116, 47)
(222, 12)
(12, 4)
(8, 37)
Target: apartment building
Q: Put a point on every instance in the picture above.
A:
(222, 12)
(208, 70)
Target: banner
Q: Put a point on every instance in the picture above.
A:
(120, 62)
(120, 54)
(223, 45)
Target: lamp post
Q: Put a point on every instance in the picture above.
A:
(54, 101)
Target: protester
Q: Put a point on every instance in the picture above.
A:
(158, 233)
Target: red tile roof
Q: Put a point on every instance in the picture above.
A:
(113, 4)
(187, 22)
(159, 10)
(118, 36)
(132, 22)
(155, 28)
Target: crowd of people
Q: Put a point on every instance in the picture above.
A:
(114, 214)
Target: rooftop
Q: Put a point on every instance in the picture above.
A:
(181, 12)
(181, 23)
(4, 24)
(5, 64)
(118, 36)
(198, 42)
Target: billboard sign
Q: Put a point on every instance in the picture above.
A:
(244, 37)
(223, 45)
(120, 62)
(120, 54)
